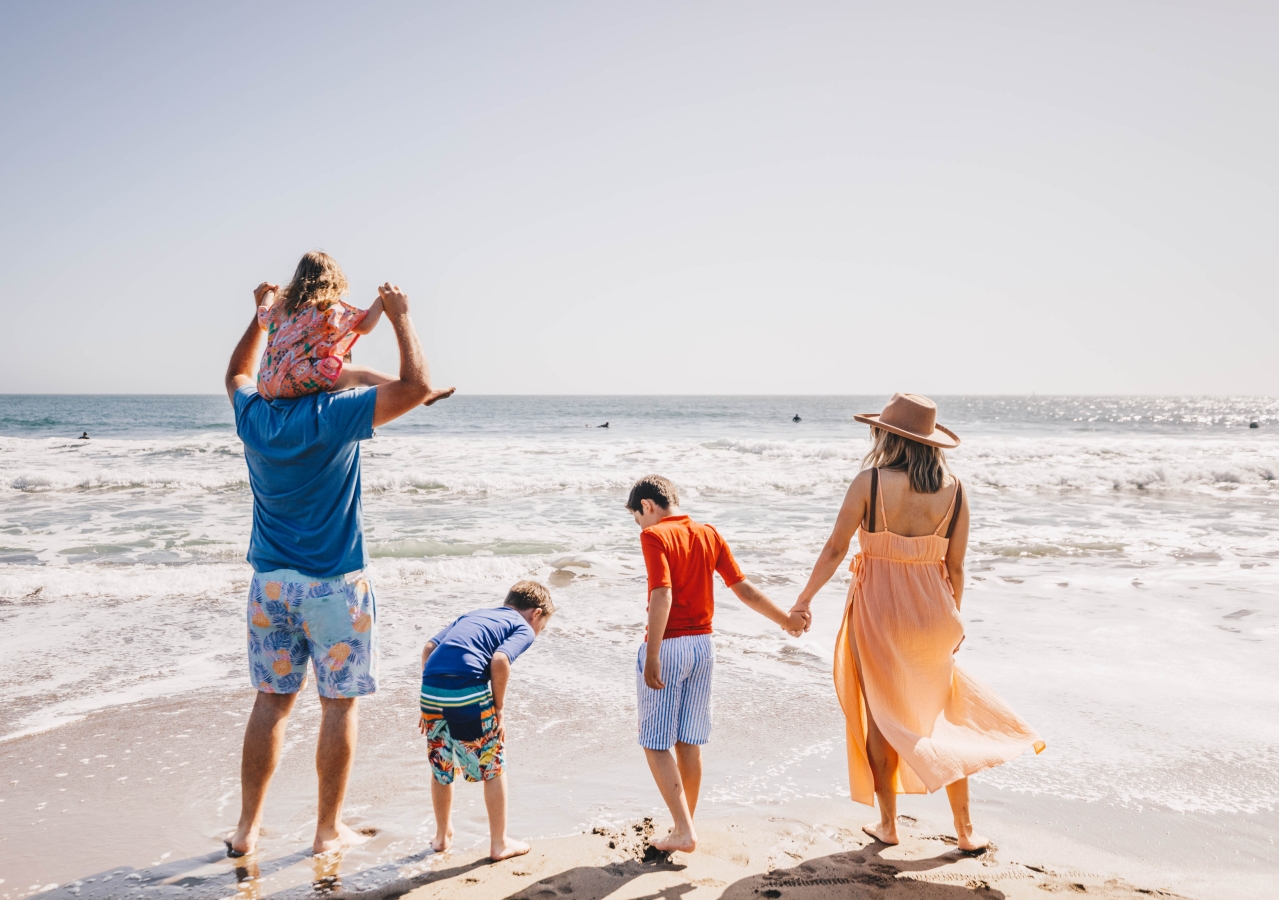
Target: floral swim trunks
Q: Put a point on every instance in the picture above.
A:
(480, 754)
(293, 618)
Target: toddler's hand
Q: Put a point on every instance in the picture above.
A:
(262, 290)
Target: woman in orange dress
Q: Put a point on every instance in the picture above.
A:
(916, 722)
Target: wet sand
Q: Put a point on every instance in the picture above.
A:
(133, 802)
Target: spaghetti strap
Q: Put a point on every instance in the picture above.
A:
(959, 504)
(952, 514)
(883, 510)
(874, 497)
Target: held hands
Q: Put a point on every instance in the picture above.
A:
(395, 303)
(261, 292)
(801, 619)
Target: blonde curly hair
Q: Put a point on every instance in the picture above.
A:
(317, 281)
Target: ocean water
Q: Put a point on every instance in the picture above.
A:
(1123, 587)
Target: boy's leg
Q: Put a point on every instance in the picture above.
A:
(659, 724)
(666, 773)
(689, 759)
(442, 802)
(500, 845)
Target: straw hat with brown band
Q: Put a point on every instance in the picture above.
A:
(914, 417)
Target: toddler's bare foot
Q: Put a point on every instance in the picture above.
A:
(438, 395)
(676, 840)
(884, 832)
(970, 841)
(241, 842)
(329, 839)
(443, 840)
(506, 848)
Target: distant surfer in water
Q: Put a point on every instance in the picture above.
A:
(797, 418)
(83, 437)
(605, 425)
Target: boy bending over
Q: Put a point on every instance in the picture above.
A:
(465, 669)
(677, 658)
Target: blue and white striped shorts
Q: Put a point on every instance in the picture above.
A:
(681, 711)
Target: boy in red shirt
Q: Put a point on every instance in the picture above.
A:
(677, 659)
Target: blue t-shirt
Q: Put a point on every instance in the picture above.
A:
(464, 650)
(304, 468)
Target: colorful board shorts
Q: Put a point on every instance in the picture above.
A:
(331, 622)
(481, 758)
(681, 711)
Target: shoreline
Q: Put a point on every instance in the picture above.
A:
(143, 794)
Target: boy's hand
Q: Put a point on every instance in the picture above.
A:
(260, 292)
(395, 303)
(501, 725)
(421, 725)
(653, 673)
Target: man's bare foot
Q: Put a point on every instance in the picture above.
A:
(438, 395)
(506, 848)
(970, 841)
(685, 842)
(329, 839)
(884, 832)
(241, 842)
(442, 841)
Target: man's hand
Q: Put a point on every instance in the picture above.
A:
(260, 292)
(395, 303)
(653, 672)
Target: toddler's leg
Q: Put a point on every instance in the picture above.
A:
(442, 801)
(360, 376)
(500, 846)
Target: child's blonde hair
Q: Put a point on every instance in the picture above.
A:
(317, 281)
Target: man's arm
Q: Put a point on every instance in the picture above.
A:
(414, 384)
(659, 610)
(500, 673)
(239, 372)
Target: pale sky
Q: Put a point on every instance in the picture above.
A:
(843, 197)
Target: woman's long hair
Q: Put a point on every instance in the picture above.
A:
(317, 281)
(925, 465)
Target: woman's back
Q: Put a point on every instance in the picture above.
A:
(908, 513)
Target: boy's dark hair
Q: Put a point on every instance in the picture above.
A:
(655, 488)
(530, 595)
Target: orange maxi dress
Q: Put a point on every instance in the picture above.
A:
(901, 624)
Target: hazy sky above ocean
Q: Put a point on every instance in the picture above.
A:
(654, 198)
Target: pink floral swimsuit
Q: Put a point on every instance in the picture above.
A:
(304, 349)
